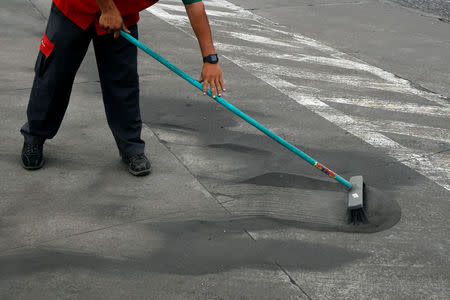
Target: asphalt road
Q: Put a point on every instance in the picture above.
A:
(362, 86)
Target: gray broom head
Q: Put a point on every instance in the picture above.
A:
(356, 211)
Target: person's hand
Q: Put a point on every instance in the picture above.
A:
(212, 76)
(112, 21)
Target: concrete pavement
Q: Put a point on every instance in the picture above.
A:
(198, 227)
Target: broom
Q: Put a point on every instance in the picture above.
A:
(355, 186)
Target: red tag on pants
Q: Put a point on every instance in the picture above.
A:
(46, 46)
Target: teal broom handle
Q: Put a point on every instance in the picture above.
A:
(237, 111)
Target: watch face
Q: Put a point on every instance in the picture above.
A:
(212, 58)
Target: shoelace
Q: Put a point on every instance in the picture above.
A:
(32, 149)
(136, 158)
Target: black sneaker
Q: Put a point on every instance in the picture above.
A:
(32, 157)
(138, 165)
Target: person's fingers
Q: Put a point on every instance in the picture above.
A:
(205, 87)
(213, 89)
(125, 29)
(222, 84)
(116, 34)
(219, 90)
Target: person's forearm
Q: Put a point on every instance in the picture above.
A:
(211, 73)
(106, 5)
(200, 25)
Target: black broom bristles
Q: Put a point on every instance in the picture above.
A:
(357, 215)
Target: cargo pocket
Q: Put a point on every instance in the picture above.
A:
(44, 57)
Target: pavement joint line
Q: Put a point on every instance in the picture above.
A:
(186, 168)
(228, 201)
(21, 89)
(424, 89)
(29, 88)
(37, 10)
(292, 280)
(429, 15)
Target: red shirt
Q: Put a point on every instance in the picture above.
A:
(84, 12)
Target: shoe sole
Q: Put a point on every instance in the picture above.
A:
(33, 168)
(140, 173)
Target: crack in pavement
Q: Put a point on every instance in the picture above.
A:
(292, 280)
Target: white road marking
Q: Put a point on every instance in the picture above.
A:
(253, 38)
(409, 129)
(395, 106)
(350, 80)
(326, 61)
(211, 13)
(297, 53)
(172, 19)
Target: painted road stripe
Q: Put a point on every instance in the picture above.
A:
(350, 80)
(408, 129)
(252, 34)
(211, 13)
(320, 60)
(395, 106)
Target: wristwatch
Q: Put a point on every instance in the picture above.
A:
(212, 59)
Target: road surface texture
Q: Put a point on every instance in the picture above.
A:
(362, 86)
(440, 8)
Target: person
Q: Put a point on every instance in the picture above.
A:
(71, 26)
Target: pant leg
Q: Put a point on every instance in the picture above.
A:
(54, 76)
(117, 66)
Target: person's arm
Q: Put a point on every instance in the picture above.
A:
(110, 18)
(211, 73)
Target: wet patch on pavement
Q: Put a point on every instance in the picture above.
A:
(252, 176)
(184, 248)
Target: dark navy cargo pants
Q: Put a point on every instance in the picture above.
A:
(54, 76)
